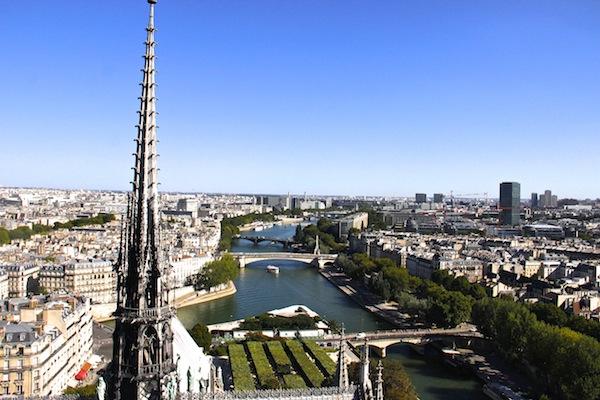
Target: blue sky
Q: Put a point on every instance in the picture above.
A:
(331, 97)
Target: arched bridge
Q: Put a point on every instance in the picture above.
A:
(258, 239)
(318, 260)
(380, 340)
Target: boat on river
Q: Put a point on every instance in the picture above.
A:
(273, 269)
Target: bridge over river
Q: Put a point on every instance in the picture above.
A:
(380, 340)
(258, 239)
(318, 260)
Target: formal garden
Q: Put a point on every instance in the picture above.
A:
(290, 364)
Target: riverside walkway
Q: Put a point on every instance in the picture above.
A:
(359, 293)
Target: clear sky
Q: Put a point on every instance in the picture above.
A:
(330, 97)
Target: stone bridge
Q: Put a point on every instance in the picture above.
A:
(318, 260)
(381, 340)
(258, 239)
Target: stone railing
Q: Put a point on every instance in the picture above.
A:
(328, 393)
(145, 313)
(146, 370)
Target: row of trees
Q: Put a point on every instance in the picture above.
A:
(552, 315)
(230, 227)
(327, 232)
(539, 338)
(434, 302)
(267, 321)
(563, 363)
(25, 232)
(217, 272)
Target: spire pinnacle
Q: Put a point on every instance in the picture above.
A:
(379, 383)
(364, 377)
(341, 373)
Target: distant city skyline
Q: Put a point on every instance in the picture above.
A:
(338, 98)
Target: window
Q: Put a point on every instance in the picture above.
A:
(6, 351)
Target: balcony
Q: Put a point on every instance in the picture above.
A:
(148, 371)
(143, 314)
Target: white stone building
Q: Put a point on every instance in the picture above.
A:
(22, 279)
(45, 341)
(3, 284)
(187, 267)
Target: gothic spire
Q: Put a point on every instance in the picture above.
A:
(317, 250)
(143, 366)
(144, 265)
(379, 382)
(364, 377)
(341, 373)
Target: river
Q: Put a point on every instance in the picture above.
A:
(299, 283)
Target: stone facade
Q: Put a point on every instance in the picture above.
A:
(94, 279)
(22, 279)
(45, 340)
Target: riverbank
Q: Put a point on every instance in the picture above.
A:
(203, 297)
(360, 294)
(186, 297)
(483, 365)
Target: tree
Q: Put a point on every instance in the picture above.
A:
(398, 278)
(449, 309)
(218, 272)
(383, 263)
(4, 236)
(477, 291)
(460, 284)
(201, 336)
(549, 313)
(396, 382)
(299, 236)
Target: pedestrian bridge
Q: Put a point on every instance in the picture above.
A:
(318, 260)
(381, 340)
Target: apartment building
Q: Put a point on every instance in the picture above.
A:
(94, 279)
(22, 279)
(45, 340)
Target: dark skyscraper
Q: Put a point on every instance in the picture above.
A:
(534, 200)
(421, 198)
(438, 198)
(510, 203)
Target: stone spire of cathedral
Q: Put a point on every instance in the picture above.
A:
(379, 382)
(317, 250)
(341, 373)
(366, 385)
(143, 365)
